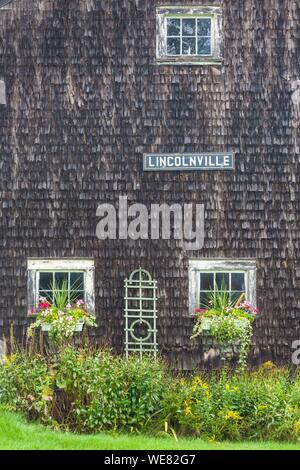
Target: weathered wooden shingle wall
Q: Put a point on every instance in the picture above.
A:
(85, 99)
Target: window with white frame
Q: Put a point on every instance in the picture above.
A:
(73, 276)
(189, 34)
(233, 276)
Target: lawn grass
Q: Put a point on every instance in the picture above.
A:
(16, 434)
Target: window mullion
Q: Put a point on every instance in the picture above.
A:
(196, 39)
(181, 37)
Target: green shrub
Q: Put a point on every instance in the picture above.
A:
(83, 390)
(26, 385)
(109, 392)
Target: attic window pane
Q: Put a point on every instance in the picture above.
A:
(173, 46)
(189, 27)
(173, 27)
(188, 46)
(204, 46)
(204, 27)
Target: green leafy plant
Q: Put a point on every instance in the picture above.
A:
(228, 323)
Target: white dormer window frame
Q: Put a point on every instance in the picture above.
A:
(37, 267)
(189, 35)
(214, 267)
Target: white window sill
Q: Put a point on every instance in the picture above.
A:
(188, 60)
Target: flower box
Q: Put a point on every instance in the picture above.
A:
(207, 322)
(48, 327)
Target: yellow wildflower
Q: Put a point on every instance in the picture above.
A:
(262, 407)
(10, 359)
(268, 365)
(187, 409)
(297, 427)
(197, 380)
(233, 415)
(232, 389)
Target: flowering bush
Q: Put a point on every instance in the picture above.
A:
(257, 405)
(63, 320)
(88, 390)
(227, 322)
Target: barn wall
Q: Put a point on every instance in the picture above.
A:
(85, 99)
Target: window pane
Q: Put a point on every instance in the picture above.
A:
(46, 280)
(188, 27)
(222, 281)
(173, 27)
(207, 281)
(235, 296)
(76, 295)
(76, 281)
(188, 46)
(204, 27)
(204, 46)
(238, 281)
(173, 46)
(60, 278)
(204, 299)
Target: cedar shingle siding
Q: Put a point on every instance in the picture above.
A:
(85, 98)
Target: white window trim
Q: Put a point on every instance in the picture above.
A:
(211, 265)
(35, 266)
(213, 12)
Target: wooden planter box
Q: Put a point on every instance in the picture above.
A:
(78, 327)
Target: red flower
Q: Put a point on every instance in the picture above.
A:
(201, 310)
(44, 305)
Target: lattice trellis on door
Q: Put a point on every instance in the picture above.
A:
(140, 313)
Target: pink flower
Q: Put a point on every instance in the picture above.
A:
(69, 306)
(69, 318)
(79, 303)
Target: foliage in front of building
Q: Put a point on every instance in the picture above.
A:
(90, 391)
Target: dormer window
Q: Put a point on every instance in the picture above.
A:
(189, 34)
